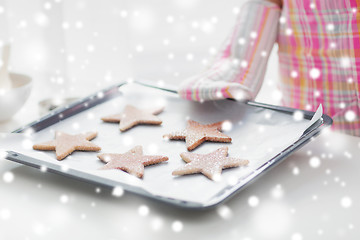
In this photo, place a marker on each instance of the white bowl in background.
(11, 100)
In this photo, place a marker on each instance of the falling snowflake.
(177, 226)
(195, 24)
(350, 116)
(219, 94)
(22, 24)
(171, 56)
(330, 27)
(65, 25)
(100, 95)
(277, 192)
(236, 10)
(314, 73)
(3, 154)
(157, 223)
(212, 51)
(43, 168)
(242, 41)
(28, 132)
(207, 27)
(224, 212)
(253, 35)
(271, 219)
(348, 154)
(139, 48)
(226, 126)
(143, 210)
(296, 171)
(39, 228)
(65, 167)
(342, 105)
(294, 74)
(166, 42)
(90, 115)
(170, 19)
(317, 93)
(314, 162)
(41, 19)
(277, 95)
(118, 191)
(288, 31)
(189, 56)
(282, 20)
(298, 116)
(261, 129)
(152, 148)
(253, 201)
(27, 144)
(64, 198)
(244, 63)
(123, 14)
(5, 214)
(345, 62)
(75, 125)
(79, 24)
(232, 180)
(192, 38)
(346, 202)
(8, 177)
(90, 48)
(71, 58)
(127, 140)
(214, 19)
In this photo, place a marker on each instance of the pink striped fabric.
(239, 69)
(319, 54)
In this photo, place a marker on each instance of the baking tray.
(263, 134)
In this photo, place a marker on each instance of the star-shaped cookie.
(211, 164)
(64, 144)
(197, 133)
(132, 162)
(132, 116)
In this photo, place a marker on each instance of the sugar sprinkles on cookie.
(132, 116)
(196, 133)
(132, 162)
(65, 144)
(210, 165)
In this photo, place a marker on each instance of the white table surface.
(296, 201)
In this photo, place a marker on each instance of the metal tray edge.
(110, 92)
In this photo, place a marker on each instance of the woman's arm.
(239, 69)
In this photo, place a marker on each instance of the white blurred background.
(75, 47)
(72, 48)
